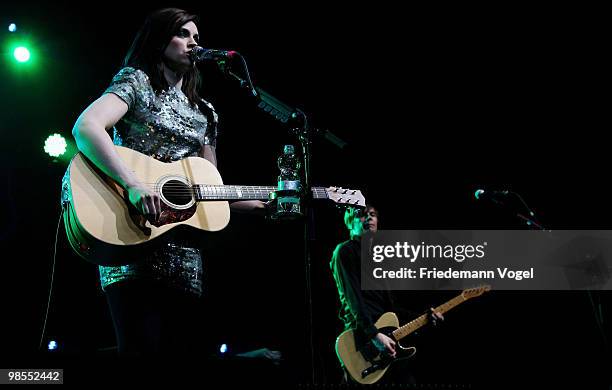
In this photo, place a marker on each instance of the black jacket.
(359, 309)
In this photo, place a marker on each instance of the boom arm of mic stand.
(331, 137)
(283, 112)
(243, 83)
(267, 102)
(279, 110)
(531, 222)
(275, 107)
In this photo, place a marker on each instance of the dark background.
(434, 104)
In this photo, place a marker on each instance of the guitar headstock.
(476, 291)
(345, 197)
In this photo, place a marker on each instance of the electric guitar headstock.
(346, 197)
(476, 291)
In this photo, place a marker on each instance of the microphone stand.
(531, 221)
(289, 115)
(528, 217)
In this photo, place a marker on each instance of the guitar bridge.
(374, 367)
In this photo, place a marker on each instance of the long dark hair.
(147, 50)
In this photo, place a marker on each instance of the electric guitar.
(104, 228)
(367, 365)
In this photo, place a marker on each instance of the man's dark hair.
(147, 50)
(348, 216)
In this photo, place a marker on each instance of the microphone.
(495, 196)
(199, 54)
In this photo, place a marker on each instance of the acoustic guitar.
(104, 228)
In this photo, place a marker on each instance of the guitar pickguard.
(170, 215)
(167, 216)
(380, 360)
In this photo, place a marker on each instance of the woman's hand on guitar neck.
(146, 201)
(384, 342)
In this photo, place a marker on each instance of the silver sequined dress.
(166, 127)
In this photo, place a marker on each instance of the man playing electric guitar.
(359, 309)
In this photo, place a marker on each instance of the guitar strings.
(225, 188)
(211, 190)
(185, 191)
(213, 193)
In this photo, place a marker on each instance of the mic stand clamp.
(287, 201)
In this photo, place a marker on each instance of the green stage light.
(55, 145)
(21, 54)
(12, 27)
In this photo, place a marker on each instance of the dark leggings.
(152, 320)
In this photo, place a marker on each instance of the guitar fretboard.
(415, 324)
(225, 192)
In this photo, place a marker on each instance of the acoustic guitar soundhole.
(177, 192)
